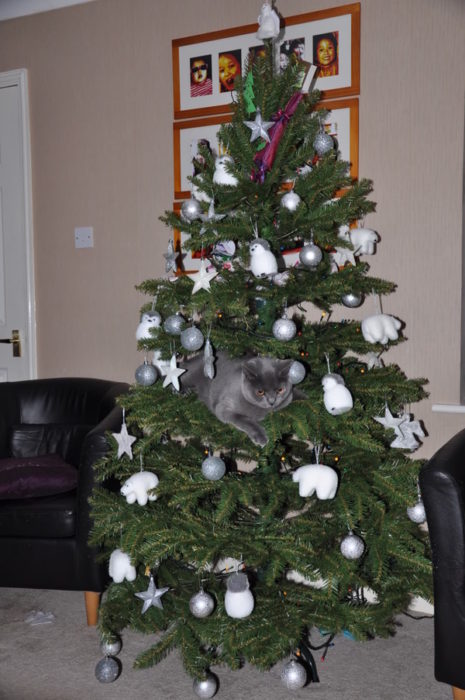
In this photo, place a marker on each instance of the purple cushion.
(26, 477)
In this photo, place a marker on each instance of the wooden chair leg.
(92, 603)
(458, 693)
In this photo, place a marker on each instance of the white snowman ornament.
(149, 320)
(221, 176)
(316, 478)
(380, 328)
(262, 261)
(337, 398)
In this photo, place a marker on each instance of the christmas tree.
(237, 537)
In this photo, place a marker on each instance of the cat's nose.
(271, 400)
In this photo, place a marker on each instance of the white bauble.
(221, 176)
(238, 601)
(380, 328)
(417, 513)
(316, 478)
(149, 319)
(337, 398)
(290, 200)
(352, 546)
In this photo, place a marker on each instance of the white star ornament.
(172, 373)
(152, 596)
(202, 278)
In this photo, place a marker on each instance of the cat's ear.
(284, 367)
(250, 369)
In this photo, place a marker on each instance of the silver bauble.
(290, 200)
(296, 372)
(173, 324)
(107, 670)
(192, 339)
(310, 255)
(201, 604)
(111, 648)
(213, 468)
(284, 329)
(352, 546)
(352, 299)
(323, 143)
(417, 513)
(293, 675)
(146, 374)
(191, 210)
(207, 687)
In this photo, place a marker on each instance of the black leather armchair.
(43, 540)
(442, 485)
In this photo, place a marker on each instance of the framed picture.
(188, 260)
(186, 137)
(341, 122)
(206, 65)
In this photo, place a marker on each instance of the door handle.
(15, 340)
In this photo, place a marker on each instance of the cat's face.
(265, 382)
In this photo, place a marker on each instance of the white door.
(17, 317)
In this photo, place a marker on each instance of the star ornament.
(170, 257)
(152, 596)
(210, 217)
(259, 128)
(202, 278)
(172, 373)
(389, 421)
(124, 441)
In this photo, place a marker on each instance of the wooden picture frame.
(342, 122)
(201, 56)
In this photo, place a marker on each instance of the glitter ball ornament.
(284, 329)
(111, 648)
(323, 143)
(417, 513)
(201, 604)
(173, 324)
(107, 670)
(146, 374)
(191, 210)
(207, 687)
(290, 200)
(213, 468)
(310, 255)
(352, 299)
(192, 339)
(296, 372)
(293, 675)
(352, 546)
(238, 601)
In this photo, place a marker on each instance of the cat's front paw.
(259, 437)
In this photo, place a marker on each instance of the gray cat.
(243, 391)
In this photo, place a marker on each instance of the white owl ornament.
(221, 176)
(149, 319)
(262, 261)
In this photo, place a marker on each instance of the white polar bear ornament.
(137, 486)
(316, 477)
(337, 398)
(222, 176)
(364, 241)
(380, 328)
(120, 567)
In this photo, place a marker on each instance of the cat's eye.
(280, 390)
(260, 392)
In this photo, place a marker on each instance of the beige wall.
(101, 124)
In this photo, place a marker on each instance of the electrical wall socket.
(84, 237)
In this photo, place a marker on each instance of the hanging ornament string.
(264, 159)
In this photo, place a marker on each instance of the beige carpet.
(57, 661)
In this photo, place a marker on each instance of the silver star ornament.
(124, 441)
(388, 421)
(170, 257)
(259, 128)
(202, 278)
(210, 217)
(152, 596)
(172, 373)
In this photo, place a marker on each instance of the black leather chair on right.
(442, 485)
(52, 431)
